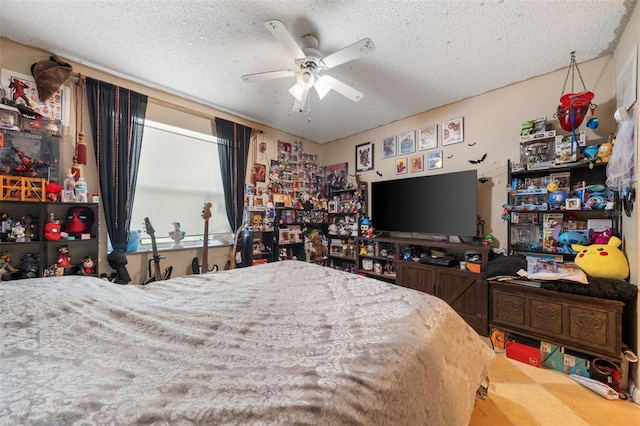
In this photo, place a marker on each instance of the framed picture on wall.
(401, 166)
(283, 200)
(416, 163)
(407, 142)
(452, 131)
(435, 160)
(389, 147)
(428, 137)
(364, 157)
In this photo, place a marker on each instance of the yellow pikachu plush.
(602, 260)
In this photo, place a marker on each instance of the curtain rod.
(158, 101)
(162, 102)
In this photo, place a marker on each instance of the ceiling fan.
(309, 61)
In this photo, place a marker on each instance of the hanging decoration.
(574, 107)
(81, 148)
(620, 168)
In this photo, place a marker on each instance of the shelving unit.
(45, 250)
(346, 209)
(300, 171)
(534, 216)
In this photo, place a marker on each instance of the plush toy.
(600, 237)
(553, 186)
(133, 243)
(605, 151)
(52, 231)
(571, 237)
(603, 260)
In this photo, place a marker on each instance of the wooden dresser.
(586, 324)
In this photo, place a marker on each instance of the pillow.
(539, 268)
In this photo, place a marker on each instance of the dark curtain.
(233, 148)
(117, 122)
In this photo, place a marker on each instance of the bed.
(280, 343)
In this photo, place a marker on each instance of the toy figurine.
(88, 265)
(18, 232)
(177, 235)
(5, 263)
(29, 265)
(64, 259)
(365, 228)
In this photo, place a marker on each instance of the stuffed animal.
(133, 243)
(52, 231)
(605, 151)
(603, 260)
(600, 237)
(569, 238)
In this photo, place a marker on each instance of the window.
(179, 172)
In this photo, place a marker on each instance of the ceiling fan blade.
(281, 34)
(268, 75)
(349, 53)
(335, 84)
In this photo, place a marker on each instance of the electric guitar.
(156, 275)
(204, 265)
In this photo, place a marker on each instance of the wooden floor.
(523, 395)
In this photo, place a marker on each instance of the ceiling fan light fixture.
(322, 88)
(296, 91)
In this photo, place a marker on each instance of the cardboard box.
(552, 356)
(523, 352)
(575, 363)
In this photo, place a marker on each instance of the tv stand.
(395, 260)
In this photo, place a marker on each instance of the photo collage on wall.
(406, 147)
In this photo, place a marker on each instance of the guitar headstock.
(147, 227)
(206, 211)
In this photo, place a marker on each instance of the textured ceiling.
(428, 53)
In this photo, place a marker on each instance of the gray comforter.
(281, 343)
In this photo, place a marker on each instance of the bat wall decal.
(480, 160)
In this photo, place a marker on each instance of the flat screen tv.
(443, 204)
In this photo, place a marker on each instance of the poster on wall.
(428, 137)
(259, 173)
(364, 157)
(389, 147)
(335, 176)
(21, 88)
